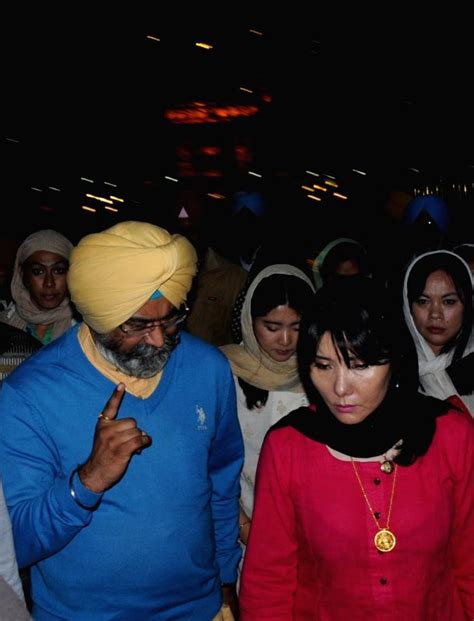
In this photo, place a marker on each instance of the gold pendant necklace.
(384, 539)
(386, 466)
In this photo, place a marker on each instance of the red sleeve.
(268, 580)
(460, 405)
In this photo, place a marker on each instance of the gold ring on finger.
(105, 418)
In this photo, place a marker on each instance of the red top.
(311, 553)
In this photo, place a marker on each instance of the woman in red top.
(365, 500)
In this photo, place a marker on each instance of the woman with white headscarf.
(437, 305)
(41, 304)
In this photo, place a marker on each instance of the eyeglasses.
(139, 328)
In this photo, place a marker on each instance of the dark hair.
(275, 290)
(345, 251)
(280, 290)
(357, 316)
(465, 251)
(362, 323)
(461, 277)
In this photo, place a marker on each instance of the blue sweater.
(161, 541)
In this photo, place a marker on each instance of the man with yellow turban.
(120, 448)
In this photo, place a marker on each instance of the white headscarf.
(434, 378)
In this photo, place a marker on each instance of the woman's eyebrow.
(45, 263)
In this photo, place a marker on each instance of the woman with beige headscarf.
(41, 304)
(264, 364)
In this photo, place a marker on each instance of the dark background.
(85, 94)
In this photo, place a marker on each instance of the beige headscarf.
(24, 311)
(114, 273)
(248, 360)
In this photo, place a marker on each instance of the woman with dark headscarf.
(41, 304)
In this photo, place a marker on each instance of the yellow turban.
(114, 273)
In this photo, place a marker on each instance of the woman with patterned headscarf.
(41, 304)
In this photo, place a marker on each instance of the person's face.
(277, 332)
(349, 267)
(138, 348)
(438, 312)
(351, 394)
(44, 275)
(153, 310)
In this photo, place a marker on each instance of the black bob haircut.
(362, 325)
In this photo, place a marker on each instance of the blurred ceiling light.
(359, 172)
(114, 185)
(254, 174)
(36, 189)
(111, 208)
(171, 179)
(86, 179)
(245, 90)
(314, 198)
(331, 183)
(86, 208)
(310, 172)
(307, 188)
(337, 195)
(152, 38)
(215, 195)
(53, 188)
(116, 198)
(205, 46)
(257, 32)
(320, 187)
(100, 199)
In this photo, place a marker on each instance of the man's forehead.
(154, 309)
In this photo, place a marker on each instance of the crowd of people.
(318, 466)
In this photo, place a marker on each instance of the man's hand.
(115, 442)
(229, 596)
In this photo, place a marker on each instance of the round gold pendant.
(387, 466)
(385, 540)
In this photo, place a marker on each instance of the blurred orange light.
(199, 112)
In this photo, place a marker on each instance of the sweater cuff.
(82, 495)
(66, 502)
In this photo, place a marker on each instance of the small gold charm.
(385, 540)
(387, 466)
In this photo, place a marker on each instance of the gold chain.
(372, 513)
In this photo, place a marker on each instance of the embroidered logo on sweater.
(201, 417)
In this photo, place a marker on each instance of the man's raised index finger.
(113, 404)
